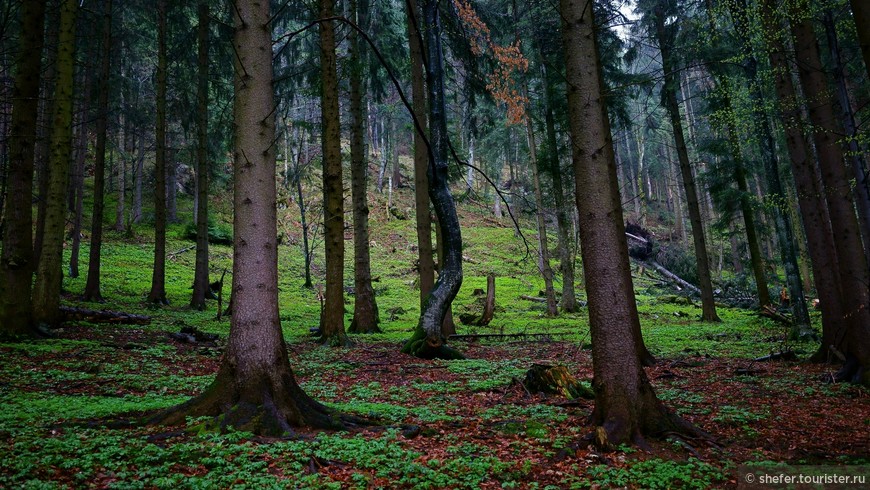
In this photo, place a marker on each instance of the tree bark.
(76, 191)
(92, 288)
(626, 407)
(333, 332)
(255, 389)
(854, 275)
(365, 308)
(158, 278)
(861, 15)
(428, 338)
(16, 262)
(669, 95)
(200, 275)
(46, 291)
(426, 261)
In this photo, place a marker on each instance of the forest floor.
(478, 426)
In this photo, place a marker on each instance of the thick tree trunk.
(92, 288)
(255, 389)
(426, 261)
(669, 95)
(158, 278)
(332, 332)
(46, 291)
(626, 407)
(428, 338)
(16, 262)
(854, 275)
(365, 308)
(200, 275)
(814, 211)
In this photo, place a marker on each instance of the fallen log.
(768, 311)
(68, 313)
(475, 336)
(673, 277)
(533, 298)
(788, 355)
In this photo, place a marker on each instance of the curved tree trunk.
(16, 266)
(255, 389)
(365, 308)
(428, 339)
(46, 291)
(92, 288)
(332, 331)
(158, 278)
(626, 407)
(200, 274)
(669, 96)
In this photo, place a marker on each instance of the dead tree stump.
(555, 380)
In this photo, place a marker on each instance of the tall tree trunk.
(428, 338)
(776, 197)
(626, 407)
(854, 275)
(172, 179)
(861, 189)
(543, 249)
(77, 177)
(158, 278)
(813, 208)
(138, 176)
(333, 332)
(200, 275)
(255, 389)
(46, 290)
(365, 308)
(92, 288)
(16, 262)
(700, 243)
(566, 258)
(426, 261)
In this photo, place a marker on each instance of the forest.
(434, 244)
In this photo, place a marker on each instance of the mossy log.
(556, 380)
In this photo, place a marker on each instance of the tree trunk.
(426, 261)
(776, 197)
(333, 332)
(300, 200)
(543, 249)
(16, 263)
(365, 308)
(46, 291)
(92, 288)
(172, 179)
(200, 275)
(428, 339)
(854, 275)
(255, 389)
(138, 171)
(77, 177)
(626, 407)
(566, 258)
(854, 155)
(158, 278)
(814, 212)
(669, 95)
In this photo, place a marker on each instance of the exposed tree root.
(422, 346)
(271, 408)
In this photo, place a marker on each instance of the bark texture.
(428, 339)
(46, 291)
(200, 275)
(16, 263)
(158, 278)
(255, 389)
(365, 308)
(626, 407)
(92, 287)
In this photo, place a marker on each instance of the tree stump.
(555, 380)
(481, 312)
